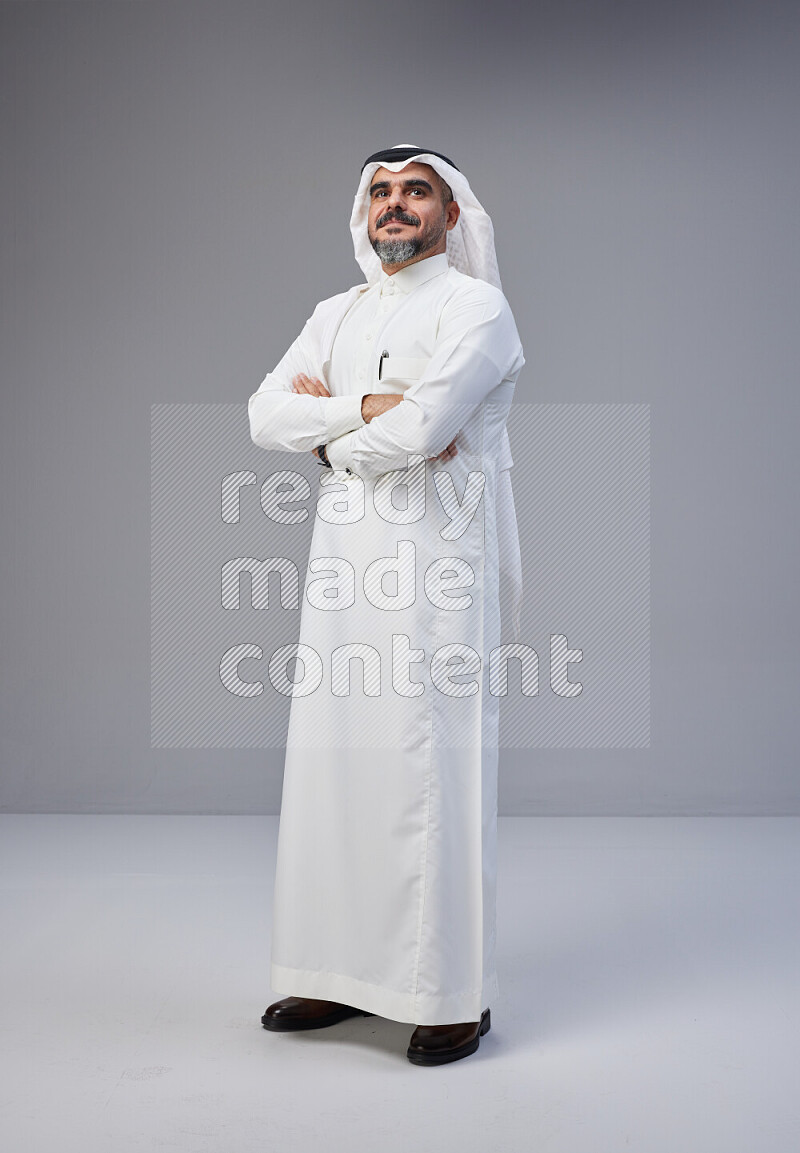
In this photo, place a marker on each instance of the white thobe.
(386, 865)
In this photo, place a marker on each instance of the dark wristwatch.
(323, 456)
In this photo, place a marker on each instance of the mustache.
(399, 217)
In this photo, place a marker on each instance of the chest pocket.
(400, 372)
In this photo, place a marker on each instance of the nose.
(396, 198)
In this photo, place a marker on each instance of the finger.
(311, 385)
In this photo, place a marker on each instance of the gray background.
(177, 183)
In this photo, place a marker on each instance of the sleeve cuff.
(339, 452)
(342, 414)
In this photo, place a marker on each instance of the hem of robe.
(411, 1008)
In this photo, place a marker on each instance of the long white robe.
(385, 882)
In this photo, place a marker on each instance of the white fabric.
(385, 881)
(354, 348)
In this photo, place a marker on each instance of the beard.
(396, 251)
(400, 251)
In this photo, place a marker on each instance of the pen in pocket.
(384, 354)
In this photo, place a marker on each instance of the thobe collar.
(408, 278)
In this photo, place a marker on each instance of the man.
(385, 879)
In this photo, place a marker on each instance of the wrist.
(376, 403)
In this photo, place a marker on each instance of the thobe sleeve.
(477, 347)
(283, 419)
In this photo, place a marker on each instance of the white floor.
(650, 975)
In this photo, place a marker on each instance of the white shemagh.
(470, 245)
(470, 249)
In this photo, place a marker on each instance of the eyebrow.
(406, 184)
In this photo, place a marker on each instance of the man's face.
(407, 218)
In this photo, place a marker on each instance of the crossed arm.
(372, 404)
(477, 347)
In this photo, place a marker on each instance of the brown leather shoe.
(438, 1044)
(293, 1013)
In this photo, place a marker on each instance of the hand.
(376, 403)
(309, 385)
(448, 452)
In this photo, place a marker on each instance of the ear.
(453, 213)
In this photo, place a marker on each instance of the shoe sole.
(299, 1024)
(453, 1054)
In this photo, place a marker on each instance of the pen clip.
(385, 353)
